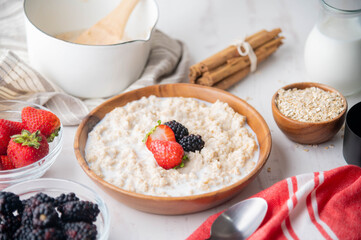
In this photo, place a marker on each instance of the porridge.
(115, 150)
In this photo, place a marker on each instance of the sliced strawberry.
(148, 142)
(159, 132)
(168, 154)
(6, 163)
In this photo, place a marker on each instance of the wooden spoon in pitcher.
(110, 29)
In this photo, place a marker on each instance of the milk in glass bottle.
(333, 48)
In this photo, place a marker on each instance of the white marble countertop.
(207, 26)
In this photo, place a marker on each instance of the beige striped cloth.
(168, 63)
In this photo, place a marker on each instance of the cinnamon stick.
(239, 75)
(222, 56)
(233, 79)
(236, 64)
(194, 73)
(255, 40)
(270, 44)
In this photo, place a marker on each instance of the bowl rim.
(104, 206)
(307, 85)
(151, 32)
(35, 165)
(259, 165)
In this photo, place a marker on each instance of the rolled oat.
(310, 104)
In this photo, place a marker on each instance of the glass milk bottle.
(333, 48)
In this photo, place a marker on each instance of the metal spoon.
(240, 220)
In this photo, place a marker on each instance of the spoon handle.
(226, 238)
(110, 29)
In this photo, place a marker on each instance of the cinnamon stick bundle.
(227, 67)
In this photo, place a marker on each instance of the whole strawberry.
(7, 129)
(27, 148)
(168, 154)
(44, 121)
(6, 163)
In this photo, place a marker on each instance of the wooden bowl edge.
(260, 163)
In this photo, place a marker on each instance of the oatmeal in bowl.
(173, 149)
(308, 112)
(115, 150)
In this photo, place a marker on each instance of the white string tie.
(248, 51)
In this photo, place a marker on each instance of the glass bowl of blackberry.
(49, 208)
(10, 116)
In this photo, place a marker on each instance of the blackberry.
(179, 130)
(9, 224)
(9, 202)
(23, 232)
(64, 198)
(44, 234)
(31, 204)
(80, 231)
(27, 216)
(45, 216)
(192, 143)
(79, 211)
(4, 236)
(24, 202)
(38, 199)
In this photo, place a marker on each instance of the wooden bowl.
(175, 205)
(308, 132)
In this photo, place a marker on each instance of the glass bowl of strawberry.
(55, 208)
(31, 138)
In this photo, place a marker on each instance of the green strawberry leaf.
(53, 135)
(27, 138)
(182, 164)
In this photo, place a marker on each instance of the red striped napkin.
(320, 205)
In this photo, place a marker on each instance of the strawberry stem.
(27, 138)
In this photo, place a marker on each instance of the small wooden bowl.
(308, 132)
(175, 205)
